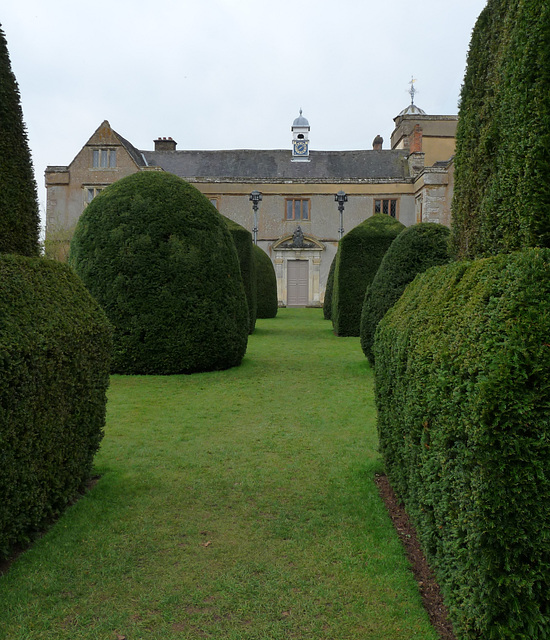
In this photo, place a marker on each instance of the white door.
(297, 283)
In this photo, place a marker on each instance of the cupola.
(300, 139)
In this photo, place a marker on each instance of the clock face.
(300, 148)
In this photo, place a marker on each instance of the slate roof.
(277, 165)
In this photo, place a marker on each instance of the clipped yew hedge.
(463, 397)
(244, 245)
(414, 250)
(501, 196)
(360, 253)
(266, 285)
(55, 345)
(159, 258)
(327, 302)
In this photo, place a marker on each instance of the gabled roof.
(135, 154)
(277, 164)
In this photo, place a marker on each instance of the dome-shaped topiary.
(414, 250)
(159, 258)
(360, 253)
(327, 303)
(243, 242)
(268, 302)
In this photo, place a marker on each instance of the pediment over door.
(298, 242)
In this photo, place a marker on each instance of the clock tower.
(300, 139)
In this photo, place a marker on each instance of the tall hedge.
(360, 253)
(502, 193)
(414, 250)
(19, 216)
(244, 245)
(55, 346)
(463, 398)
(327, 303)
(268, 301)
(159, 258)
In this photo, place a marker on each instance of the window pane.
(393, 207)
(103, 158)
(305, 209)
(377, 206)
(95, 162)
(385, 206)
(214, 201)
(297, 207)
(112, 158)
(89, 195)
(289, 209)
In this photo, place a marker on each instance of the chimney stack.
(165, 144)
(377, 143)
(415, 142)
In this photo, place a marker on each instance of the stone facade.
(412, 181)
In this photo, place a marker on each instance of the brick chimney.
(377, 143)
(165, 144)
(415, 139)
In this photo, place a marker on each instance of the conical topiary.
(414, 250)
(19, 217)
(360, 253)
(244, 245)
(268, 303)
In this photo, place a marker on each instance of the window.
(386, 206)
(90, 193)
(214, 201)
(297, 209)
(104, 158)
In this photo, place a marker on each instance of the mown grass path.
(233, 505)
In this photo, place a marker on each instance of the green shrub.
(359, 255)
(159, 258)
(463, 396)
(502, 194)
(413, 251)
(243, 242)
(19, 217)
(268, 302)
(55, 346)
(327, 302)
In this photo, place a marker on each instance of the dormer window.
(104, 158)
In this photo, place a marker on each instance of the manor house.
(412, 181)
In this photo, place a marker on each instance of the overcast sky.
(230, 74)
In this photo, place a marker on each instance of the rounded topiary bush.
(159, 258)
(327, 303)
(55, 346)
(268, 302)
(244, 245)
(360, 253)
(414, 250)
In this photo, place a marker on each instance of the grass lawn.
(233, 505)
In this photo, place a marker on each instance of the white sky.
(230, 74)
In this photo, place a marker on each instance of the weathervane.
(412, 90)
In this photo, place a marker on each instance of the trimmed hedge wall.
(463, 398)
(360, 253)
(244, 245)
(327, 303)
(414, 250)
(55, 346)
(159, 258)
(268, 301)
(502, 195)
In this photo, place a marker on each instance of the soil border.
(423, 574)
